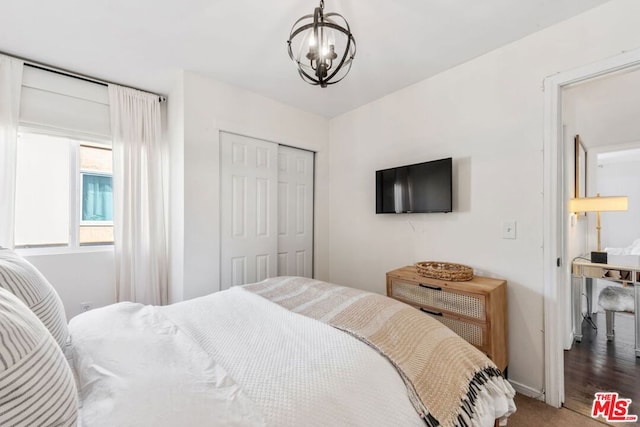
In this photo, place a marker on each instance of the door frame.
(555, 212)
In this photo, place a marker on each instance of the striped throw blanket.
(443, 373)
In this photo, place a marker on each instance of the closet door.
(248, 209)
(295, 212)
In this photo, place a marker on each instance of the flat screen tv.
(418, 188)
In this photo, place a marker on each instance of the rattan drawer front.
(471, 332)
(466, 305)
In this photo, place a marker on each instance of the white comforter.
(233, 358)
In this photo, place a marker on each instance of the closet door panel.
(295, 212)
(248, 209)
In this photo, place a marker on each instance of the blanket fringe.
(489, 380)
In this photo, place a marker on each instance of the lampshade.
(599, 204)
(322, 46)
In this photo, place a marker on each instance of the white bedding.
(234, 358)
(136, 368)
(629, 256)
(633, 249)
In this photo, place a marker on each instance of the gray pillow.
(36, 383)
(22, 279)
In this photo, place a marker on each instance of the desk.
(588, 271)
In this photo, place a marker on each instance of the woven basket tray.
(444, 271)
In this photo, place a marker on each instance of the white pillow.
(36, 382)
(23, 280)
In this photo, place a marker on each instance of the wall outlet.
(86, 306)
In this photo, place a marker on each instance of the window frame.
(75, 140)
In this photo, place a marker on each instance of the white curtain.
(10, 85)
(140, 235)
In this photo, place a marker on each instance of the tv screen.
(418, 188)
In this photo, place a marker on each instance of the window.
(42, 191)
(63, 166)
(64, 192)
(96, 195)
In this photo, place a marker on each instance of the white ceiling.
(143, 43)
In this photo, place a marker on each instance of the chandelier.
(313, 38)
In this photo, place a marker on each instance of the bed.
(288, 351)
(628, 256)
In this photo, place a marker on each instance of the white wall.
(78, 277)
(576, 225)
(619, 175)
(208, 108)
(175, 126)
(488, 115)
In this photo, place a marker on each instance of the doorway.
(603, 112)
(557, 262)
(266, 210)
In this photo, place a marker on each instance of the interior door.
(248, 209)
(295, 212)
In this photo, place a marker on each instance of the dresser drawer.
(475, 309)
(474, 333)
(433, 297)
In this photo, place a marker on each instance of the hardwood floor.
(597, 365)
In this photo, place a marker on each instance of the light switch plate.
(508, 229)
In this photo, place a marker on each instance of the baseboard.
(527, 391)
(569, 342)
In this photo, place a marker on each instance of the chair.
(612, 299)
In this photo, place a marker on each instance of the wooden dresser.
(476, 309)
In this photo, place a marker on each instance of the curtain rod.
(63, 72)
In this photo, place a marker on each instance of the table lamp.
(599, 204)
